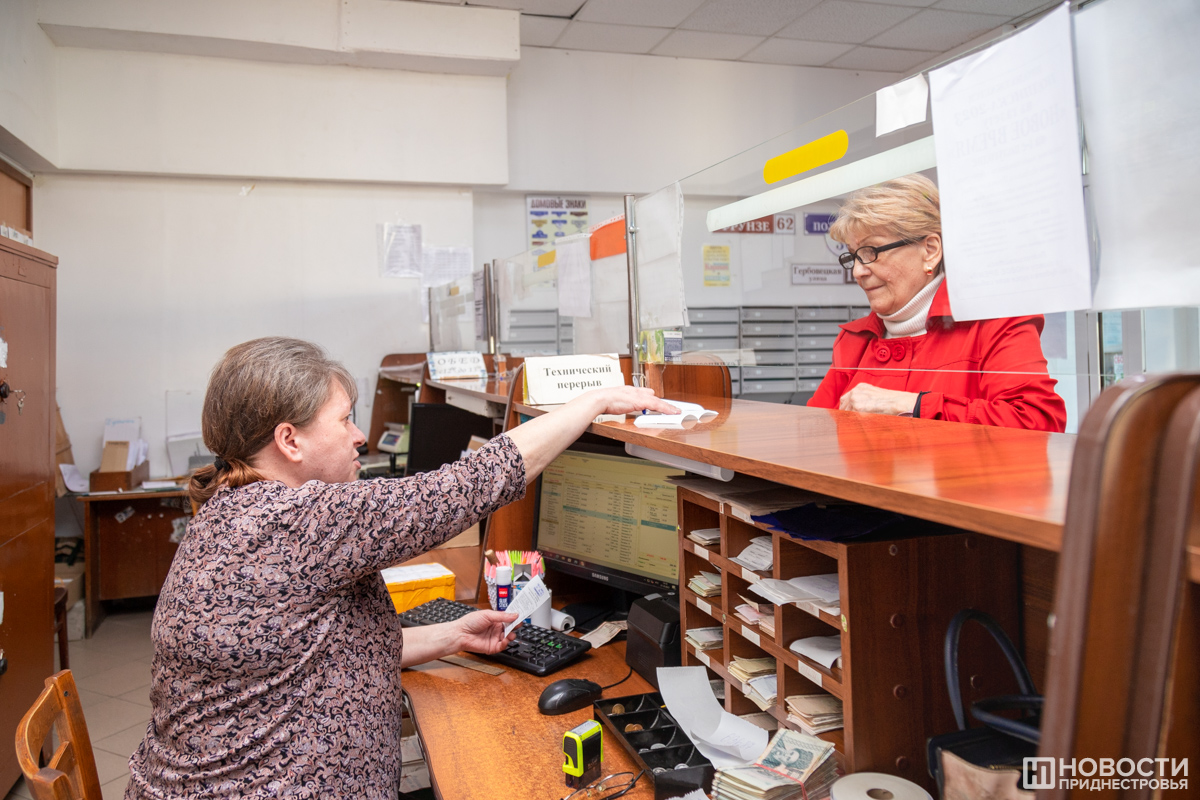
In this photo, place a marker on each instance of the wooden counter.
(1003, 482)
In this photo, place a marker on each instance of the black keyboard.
(535, 650)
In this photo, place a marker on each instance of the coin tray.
(661, 748)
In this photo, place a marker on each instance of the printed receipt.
(528, 599)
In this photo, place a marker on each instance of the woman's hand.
(629, 400)
(483, 631)
(870, 399)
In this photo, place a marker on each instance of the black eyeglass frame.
(847, 259)
(619, 789)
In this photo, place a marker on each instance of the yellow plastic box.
(414, 584)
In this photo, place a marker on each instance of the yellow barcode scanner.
(583, 750)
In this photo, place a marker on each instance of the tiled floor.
(112, 672)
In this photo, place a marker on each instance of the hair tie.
(221, 464)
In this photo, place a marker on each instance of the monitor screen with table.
(609, 518)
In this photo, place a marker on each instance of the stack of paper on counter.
(815, 713)
(688, 412)
(794, 765)
(706, 638)
(706, 536)
(824, 650)
(759, 556)
(746, 668)
(706, 584)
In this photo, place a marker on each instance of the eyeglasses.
(869, 254)
(608, 787)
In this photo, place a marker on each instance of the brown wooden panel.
(1039, 569)
(27, 635)
(14, 203)
(134, 556)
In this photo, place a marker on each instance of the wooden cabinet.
(27, 422)
(897, 598)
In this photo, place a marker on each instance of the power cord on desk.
(618, 683)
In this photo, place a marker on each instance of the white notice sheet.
(1009, 171)
(724, 739)
(660, 260)
(574, 260)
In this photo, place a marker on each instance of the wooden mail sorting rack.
(897, 598)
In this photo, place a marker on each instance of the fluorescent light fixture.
(698, 467)
(903, 160)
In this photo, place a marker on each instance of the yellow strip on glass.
(805, 157)
(546, 259)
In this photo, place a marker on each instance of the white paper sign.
(550, 380)
(1009, 171)
(660, 259)
(806, 274)
(574, 259)
(399, 250)
(3, 354)
(456, 364)
(901, 104)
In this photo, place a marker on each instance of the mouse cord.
(618, 683)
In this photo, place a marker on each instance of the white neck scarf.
(910, 320)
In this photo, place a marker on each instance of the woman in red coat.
(909, 355)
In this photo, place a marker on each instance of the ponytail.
(207, 480)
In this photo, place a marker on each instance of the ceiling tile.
(881, 59)
(1010, 8)
(702, 44)
(544, 8)
(911, 3)
(755, 17)
(938, 31)
(541, 31)
(844, 21)
(658, 13)
(610, 38)
(796, 52)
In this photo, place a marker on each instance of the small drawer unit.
(707, 315)
(548, 335)
(710, 344)
(822, 314)
(812, 357)
(768, 329)
(818, 328)
(768, 314)
(710, 330)
(531, 319)
(767, 358)
(815, 342)
(812, 371)
(774, 386)
(809, 385)
(769, 342)
(761, 373)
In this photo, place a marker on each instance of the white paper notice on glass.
(439, 266)
(1009, 171)
(901, 104)
(399, 250)
(724, 739)
(574, 260)
(660, 260)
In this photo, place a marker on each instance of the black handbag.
(1002, 743)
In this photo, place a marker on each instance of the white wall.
(158, 277)
(28, 126)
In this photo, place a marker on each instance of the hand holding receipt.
(528, 599)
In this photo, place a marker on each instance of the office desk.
(127, 556)
(483, 735)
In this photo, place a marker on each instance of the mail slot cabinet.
(812, 356)
(768, 386)
(525, 335)
(858, 312)
(818, 314)
(710, 344)
(735, 373)
(769, 314)
(812, 371)
(807, 385)
(818, 328)
(768, 328)
(774, 357)
(530, 319)
(758, 373)
(815, 342)
(769, 342)
(710, 330)
(696, 315)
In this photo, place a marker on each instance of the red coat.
(991, 371)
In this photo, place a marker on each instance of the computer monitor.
(609, 518)
(438, 433)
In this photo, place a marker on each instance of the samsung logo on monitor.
(600, 577)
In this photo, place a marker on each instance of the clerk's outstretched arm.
(541, 439)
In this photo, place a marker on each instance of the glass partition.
(457, 315)
(529, 324)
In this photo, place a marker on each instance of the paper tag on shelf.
(703, 606)
(750, 576)
(751, 635)
(700, 551)
(703, 659)
(808, 672)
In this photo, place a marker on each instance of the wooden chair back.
(71, 771)
(1107, 546)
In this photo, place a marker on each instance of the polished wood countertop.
(999, 481)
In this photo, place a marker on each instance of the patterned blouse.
(276, 667)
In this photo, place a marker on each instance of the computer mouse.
(568, 695)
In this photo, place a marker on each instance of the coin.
(681, 766)
(632, 727)
(657, 746)
(659, 770)
(618, 709)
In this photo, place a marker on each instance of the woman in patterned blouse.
(277, 652)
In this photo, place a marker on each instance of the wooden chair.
(60, 626)
(1092, 695)
(71, 773)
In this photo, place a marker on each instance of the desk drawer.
(768, 328)
(815, 342)
(769, 314)
(775, 357)
(712, 315)
(710, 330)
(769, 386)
(710, 344)
(814, 371)
(815, 314)
(759, 373)
(808, 385)
(769, 342)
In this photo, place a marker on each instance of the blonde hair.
(255, 387)
(906, 208)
